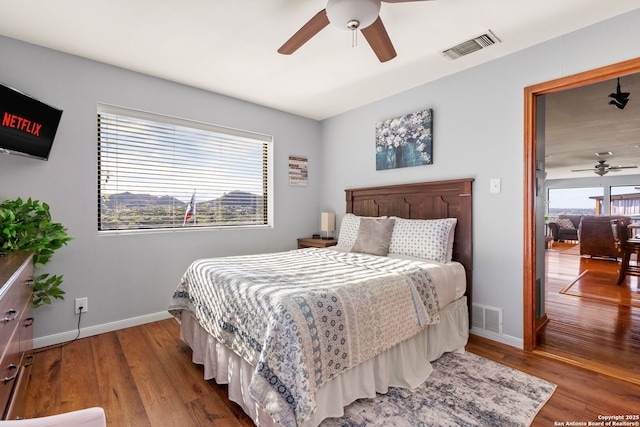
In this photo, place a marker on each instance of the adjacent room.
(591, 175)
(430, 184)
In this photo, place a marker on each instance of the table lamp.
(327, 223)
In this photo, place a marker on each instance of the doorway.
(532, 318)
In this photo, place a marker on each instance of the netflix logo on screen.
(21, 123)
(27, 126)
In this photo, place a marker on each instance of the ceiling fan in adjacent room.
(602, 168)
(351, 15)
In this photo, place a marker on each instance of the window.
(625, 200)
(575, 201)
(160, 172)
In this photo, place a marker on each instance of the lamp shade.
(342, 12)
(327, 221)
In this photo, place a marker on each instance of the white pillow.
(452, 234)
(430, 239)
(349, 230)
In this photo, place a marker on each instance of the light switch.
(494, 185)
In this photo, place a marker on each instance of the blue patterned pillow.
(430, 239)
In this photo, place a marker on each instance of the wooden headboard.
(425, 200)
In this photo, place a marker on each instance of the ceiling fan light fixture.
(353, 24)
(343, 13)
(602, 168)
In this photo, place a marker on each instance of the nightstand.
(308, 242)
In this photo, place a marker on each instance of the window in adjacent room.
(160, 172)
(575, 201)
(625, 200)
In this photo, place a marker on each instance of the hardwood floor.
(591, 321)
(143, 376)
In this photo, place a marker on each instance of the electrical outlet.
(82, 303)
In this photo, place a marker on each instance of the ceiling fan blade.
(379, 40)
(604, 168)
(308, 30)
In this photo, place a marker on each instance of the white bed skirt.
(365, 380)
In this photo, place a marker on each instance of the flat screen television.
(27, 126)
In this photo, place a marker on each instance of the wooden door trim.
(530, 95)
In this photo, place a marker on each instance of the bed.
(298, 335)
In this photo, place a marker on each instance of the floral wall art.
(405, 141)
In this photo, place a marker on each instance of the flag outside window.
(191, 210)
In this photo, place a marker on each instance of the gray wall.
(130, 278)
(478, 132)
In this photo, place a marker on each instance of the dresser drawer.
(12, 302)
(25, 328)
(9, 368)
(16, 331)
(16, 408)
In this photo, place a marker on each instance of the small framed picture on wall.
(298, 174)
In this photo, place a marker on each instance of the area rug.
(463, 390)
(602, 286)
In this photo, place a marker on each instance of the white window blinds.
(159, 172)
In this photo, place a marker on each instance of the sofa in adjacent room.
(565, 227)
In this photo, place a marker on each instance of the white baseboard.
(504, 339)
(153, 317)
(99, 329)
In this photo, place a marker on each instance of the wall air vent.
(487, 318)
(470, 46)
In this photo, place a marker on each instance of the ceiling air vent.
(470, 46)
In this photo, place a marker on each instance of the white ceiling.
(580, 122)
(229, 46)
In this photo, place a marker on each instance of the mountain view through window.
(159, 172)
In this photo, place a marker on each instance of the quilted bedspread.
(304, 316)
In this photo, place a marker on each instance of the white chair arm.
(90, 417)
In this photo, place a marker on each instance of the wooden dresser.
(16, 331)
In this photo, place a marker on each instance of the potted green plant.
(27, 226)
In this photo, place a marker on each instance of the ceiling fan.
(351, 15)
(602, 168)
